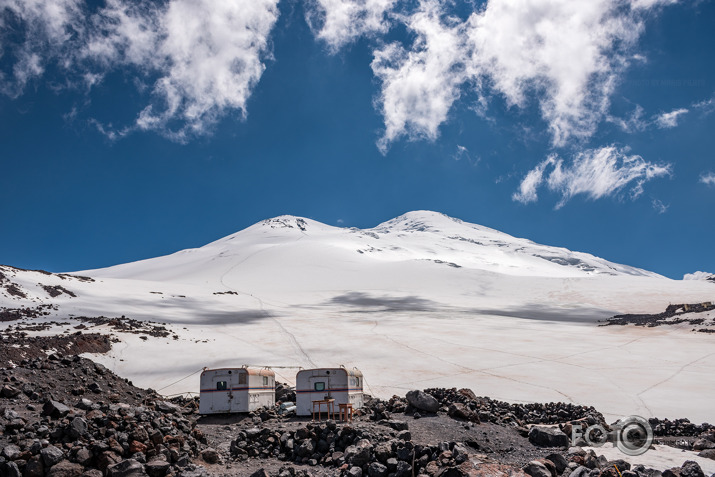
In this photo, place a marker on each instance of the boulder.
(691, 469)
(422, 401)
(537, 469)
(707, 453)
(548, 437)
(55, 409)
(51, 455)
(702, 444)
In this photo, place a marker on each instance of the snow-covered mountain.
(421, 300)
(415, 236)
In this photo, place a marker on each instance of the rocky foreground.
(64, 416)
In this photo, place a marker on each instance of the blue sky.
(131, 131)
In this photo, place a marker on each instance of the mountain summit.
(276, 244)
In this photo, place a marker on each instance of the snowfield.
(420, 301)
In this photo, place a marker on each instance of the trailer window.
(242, 378)
(221, 385)
(319, 386)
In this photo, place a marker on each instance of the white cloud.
(699, 276)
(669, 120)
(214, 57)
(708, 178)
(419, 86)
(595, 173)
(339, 22)
(567, 56)
(205, 56)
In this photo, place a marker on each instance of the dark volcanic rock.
(548, 437)
(422, 401)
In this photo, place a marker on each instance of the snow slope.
(419, 301)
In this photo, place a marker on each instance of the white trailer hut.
(236, 390)
(343, 385)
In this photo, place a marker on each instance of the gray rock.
(376, 469)
(51, 455)
(9, 392)
(548, 437)
(55, 409)
(707, 453)
(84, 404)
(403, 469)
(580, 471)
(702, 444)
(167, 407)
(691, 469)
(210, 455)
(306, 448)
(559, 461)
(65, 469)
(78, 427)
(157, 468)
(354, 471)
(126, 468)
(536, 469)
(397, 425)
(11, 452)
(422, 401)
(358, 454)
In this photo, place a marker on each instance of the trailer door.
(221, 389)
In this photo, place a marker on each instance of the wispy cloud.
(659, 206)
(203, 57)
(636, 122)
(708, 178)
(340, 22)
(670, 120)
(566, 55)
(420, 85)
(595, 173)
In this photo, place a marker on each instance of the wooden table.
(329, 407)
(345, 412)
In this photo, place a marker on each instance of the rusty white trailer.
(236, 390)
(343, 385)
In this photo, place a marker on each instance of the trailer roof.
(350, 372)
(243, 369)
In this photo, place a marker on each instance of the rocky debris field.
(693, 314)
(62, 416)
